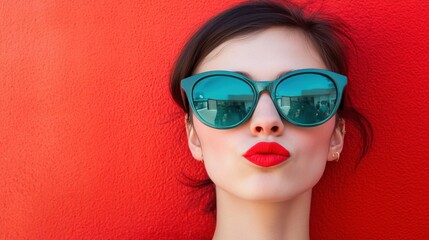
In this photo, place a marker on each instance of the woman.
(249, 81)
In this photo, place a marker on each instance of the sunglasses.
(223, 99)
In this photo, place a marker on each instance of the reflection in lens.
(306, 98)
(222, 101)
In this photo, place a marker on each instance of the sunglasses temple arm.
(185, 101)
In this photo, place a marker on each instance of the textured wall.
(91, 146)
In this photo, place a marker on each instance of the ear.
(193, 140)
(337, 140)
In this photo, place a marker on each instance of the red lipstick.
(267, 154)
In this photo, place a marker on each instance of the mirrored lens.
(306, 98)
(222, 101)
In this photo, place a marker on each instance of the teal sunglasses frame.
(188, 84)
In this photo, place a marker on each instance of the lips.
(267, 154)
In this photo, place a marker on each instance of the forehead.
(264, 54)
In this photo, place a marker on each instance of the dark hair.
(328, 34)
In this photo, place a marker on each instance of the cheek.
(214, 142)
(311, 145)
(310, 148)
(220, 152)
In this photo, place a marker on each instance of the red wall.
(92, 147)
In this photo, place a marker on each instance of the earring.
(337, 155)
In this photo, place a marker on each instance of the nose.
(265, 119)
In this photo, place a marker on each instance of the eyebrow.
(279, 75)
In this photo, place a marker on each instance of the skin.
(255, 202)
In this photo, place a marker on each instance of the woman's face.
(263, 56)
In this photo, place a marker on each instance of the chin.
(273, 195)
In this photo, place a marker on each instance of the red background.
(92, 147)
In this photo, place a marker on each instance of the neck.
(244, 219)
